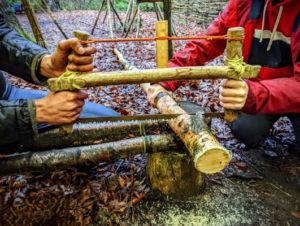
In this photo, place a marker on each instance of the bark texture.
(84, 155)
(76, 80)
(174, 174)
(91, 133)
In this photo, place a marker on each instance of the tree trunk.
(174, 174)
(34, 24)
(86, 155)
(168, 17)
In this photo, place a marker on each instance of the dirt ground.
(260, 187)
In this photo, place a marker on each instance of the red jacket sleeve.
(281, 95)
(198, 52)
(276, 96)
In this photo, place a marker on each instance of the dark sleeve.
(18, 56)
(17, 120)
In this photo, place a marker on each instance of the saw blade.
(156, 117)
(129, 118)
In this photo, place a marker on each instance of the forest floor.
(260, 187)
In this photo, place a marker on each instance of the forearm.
(198, 52)
(24, 56)
(17, 121)
(46, 68)
(276, 96)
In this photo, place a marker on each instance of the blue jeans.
(89, 109)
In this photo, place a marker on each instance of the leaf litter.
(107, 193)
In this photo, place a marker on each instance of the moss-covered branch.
(73, 81)
(91, 133)
(85, 155)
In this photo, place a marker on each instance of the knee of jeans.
(243, 134)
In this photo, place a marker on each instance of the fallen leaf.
(296, 214)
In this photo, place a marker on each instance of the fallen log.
(74, 81)
(92, 133)
(85, 155)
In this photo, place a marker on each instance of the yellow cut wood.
(81, 35)
(162, 46)
(76, 80)
(234, 59)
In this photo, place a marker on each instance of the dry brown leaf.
(296, 214)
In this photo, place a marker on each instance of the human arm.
(280, 93)
(19, 118)
(33, 63)
(198, 52)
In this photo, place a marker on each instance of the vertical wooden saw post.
(83, 36)
(234, 52)
(162, 46)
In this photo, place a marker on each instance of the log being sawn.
(208, 155)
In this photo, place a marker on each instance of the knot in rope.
(143, 134)
(67, 81)
(238, 65)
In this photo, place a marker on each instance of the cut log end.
(213, 161)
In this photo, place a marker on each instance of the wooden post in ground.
(98, 16)
(34, 24)
(168, 17)
(50, 13)
(162, 47)
(174, 174)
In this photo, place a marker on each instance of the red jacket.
(277, 88)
